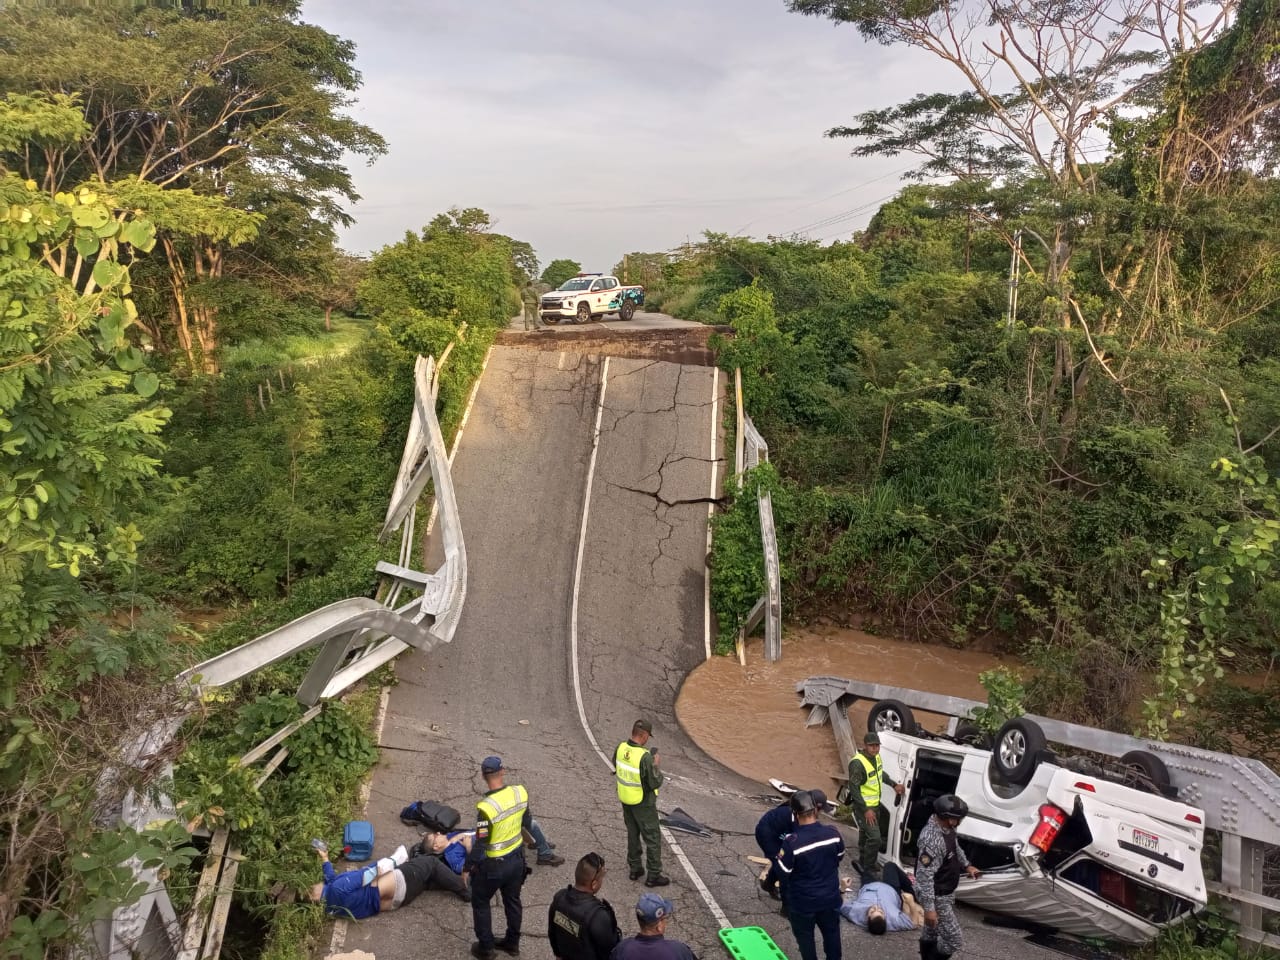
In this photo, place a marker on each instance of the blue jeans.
(828, 921)
(540, 838)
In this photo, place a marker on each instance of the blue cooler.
(357, 840)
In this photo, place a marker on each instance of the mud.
(750, 718)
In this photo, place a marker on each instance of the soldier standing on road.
(636, 767)
(496, 861)
(866, 774)
(939, 862)
(581, 925)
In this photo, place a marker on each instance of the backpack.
(430, 815)
(357, 840)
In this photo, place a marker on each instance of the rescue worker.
(770, 829)
(581, 925)
(939, 862)
(810, 863)
(635, 766)
(866, 774)
(496, 862)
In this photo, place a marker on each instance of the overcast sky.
(592, 128)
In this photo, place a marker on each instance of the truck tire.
(584, 313)
(627, 310)
(1017, 750)
(891, 716)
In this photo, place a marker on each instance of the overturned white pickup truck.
(1074, 851)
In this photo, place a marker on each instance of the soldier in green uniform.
(636, 767)
(866, 774)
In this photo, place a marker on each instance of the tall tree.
(245, 103)
(558, 271)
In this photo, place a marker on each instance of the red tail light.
(1193, 818)
(1051, 821)
(1081, 785)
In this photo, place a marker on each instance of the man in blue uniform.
(810, 865)
(496, 861)
(770, 830)
(939, 863)
(392, 882)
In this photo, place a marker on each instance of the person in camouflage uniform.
(939, 863)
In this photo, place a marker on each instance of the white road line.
(711, 507)
(694, 878)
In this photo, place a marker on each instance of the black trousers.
(828, 922)
(503, 875)
(894, 877)
(428, 872)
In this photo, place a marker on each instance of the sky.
(592, 128)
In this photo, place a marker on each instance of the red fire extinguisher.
(1051, 822)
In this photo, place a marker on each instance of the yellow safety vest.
(505, 811)
(626, 761)
(871, 785)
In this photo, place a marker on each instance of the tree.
(648, 269)
(245, 103)
(79, 430)
(558, 271)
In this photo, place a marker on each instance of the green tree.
(558, 271)
(244, 103)
(79, 431)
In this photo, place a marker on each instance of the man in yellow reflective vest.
(635, 765)
(496, 861)
(866, 774)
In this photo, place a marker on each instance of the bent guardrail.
(1240, 797)
(750, 450)
(356, 636)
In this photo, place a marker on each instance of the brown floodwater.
(750, 719)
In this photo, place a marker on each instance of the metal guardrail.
(750, 450)
(356, 636)
(1240, 797)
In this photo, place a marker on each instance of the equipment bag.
(430, 815)
(357, 840)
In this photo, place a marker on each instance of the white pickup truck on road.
(589, 296)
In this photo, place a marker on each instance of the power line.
(838, 193)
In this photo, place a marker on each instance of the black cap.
(871, 739)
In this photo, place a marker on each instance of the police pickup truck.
(589, 296)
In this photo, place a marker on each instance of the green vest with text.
(871, 786)
(626, 761)
(505, 812)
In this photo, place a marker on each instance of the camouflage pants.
(947, 933)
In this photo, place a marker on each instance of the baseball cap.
(651, 908)
(819, 798)
(872, 739)
(644, 725)
(491, 765)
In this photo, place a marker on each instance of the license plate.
(1147, 841)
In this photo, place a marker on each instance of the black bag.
(430, 815)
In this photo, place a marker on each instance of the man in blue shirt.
(880, 907)
(392, 882)
(652, 913)
(810, 866)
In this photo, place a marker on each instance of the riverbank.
(749, 718)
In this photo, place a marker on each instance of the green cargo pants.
(871, 838)
(642, 825)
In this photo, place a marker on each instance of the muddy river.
(750, 718)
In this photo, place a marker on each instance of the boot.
(928, 950)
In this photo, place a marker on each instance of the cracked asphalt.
(505, 683)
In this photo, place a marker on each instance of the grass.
(347, 332)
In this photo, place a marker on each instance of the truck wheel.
(584, 313)
(1148, 771)
(627, 310)
(550, 318)
(1018, 747)
(891, 716)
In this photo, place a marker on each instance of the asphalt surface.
(635, 625)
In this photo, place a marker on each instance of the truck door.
(900, 764)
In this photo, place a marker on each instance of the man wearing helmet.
(939, 863)
(809, 862)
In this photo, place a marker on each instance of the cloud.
(591, 129)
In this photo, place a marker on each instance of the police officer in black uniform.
(581, 925)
